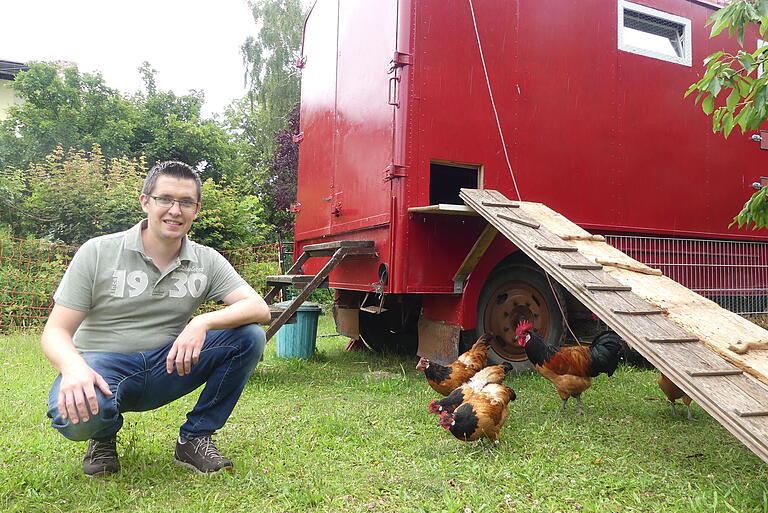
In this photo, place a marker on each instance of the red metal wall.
(601, 135)
(318, 122)
(348, 129)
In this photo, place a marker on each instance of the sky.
(193, 44)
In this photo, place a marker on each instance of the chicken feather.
(444, 379)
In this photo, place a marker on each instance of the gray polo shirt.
(131, 305)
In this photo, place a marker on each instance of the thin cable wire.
(493, 102)
(506, 154)
(562, 312)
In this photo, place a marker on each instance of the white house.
(8, 70)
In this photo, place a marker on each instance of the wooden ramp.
(689, 338)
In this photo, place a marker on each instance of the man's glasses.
(166, 202)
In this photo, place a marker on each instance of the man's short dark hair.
(175, 169)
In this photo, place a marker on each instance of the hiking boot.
(201, 455)
(101, 458)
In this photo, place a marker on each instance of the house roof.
(8, 69)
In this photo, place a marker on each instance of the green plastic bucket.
(297, 340)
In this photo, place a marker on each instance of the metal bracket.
(374, 309)
(295, 208)
(393, 95)
(399, 60)
(297, 138)
(394, 171)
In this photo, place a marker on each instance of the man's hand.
(185, 350)
(77, 394)
(244, 306)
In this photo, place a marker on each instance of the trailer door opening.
(445, 180)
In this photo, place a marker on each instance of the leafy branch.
(734, 88)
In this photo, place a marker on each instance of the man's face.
(170, 223)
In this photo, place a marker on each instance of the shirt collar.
(133, 242)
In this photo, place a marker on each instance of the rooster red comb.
(522, 327)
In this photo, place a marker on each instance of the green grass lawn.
(351, 432)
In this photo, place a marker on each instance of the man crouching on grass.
(121, 337)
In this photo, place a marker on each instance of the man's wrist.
(72, 365)
(201, 321)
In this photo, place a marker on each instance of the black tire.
(513, 293)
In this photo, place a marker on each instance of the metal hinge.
(394, 171)
(399, 60)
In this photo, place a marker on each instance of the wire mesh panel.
(254, 264)
(654, 33)
(733, 274)
(30, 271)
(657, 34)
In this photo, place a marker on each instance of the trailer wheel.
(514, 293)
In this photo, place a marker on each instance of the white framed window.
(654, 33)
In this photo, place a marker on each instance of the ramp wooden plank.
(723, 397)
(758, 413)
(716, 327)
(663, 311)
(582, 267)
(517, 220)
(639, 312)
(442, 208)
(507, 204)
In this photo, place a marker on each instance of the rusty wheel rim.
(509, 304)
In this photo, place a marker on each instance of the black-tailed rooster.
(570, 369)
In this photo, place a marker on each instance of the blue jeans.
(139, 382)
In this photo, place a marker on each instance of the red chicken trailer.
(575, 104)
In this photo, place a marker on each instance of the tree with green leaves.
(65, 108)
(268, 116)
(734, 88)
(73, 196)
(271, 71)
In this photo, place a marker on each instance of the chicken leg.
(578, 402)
(687, 407)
